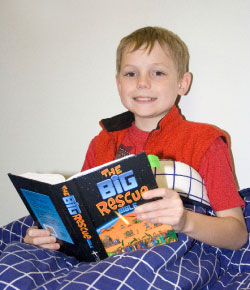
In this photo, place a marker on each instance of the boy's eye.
(159, 73)
(130, 74)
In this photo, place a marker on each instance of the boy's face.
(148, 85)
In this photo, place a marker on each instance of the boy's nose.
(143, 82)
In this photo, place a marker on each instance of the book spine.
(83, 232)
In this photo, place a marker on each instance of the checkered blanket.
(186, 264)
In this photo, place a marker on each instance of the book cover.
(46, 204)
(91, 214)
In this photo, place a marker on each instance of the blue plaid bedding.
(186, 264)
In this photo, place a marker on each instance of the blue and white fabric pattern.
(182, 178)
(185, 264)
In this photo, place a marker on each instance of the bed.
(186, 264)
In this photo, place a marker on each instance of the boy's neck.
(147, 124)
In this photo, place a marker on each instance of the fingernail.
(137, 210)
(53, 239)
(140, 216)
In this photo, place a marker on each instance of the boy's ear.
(184, 84)
(118, 84)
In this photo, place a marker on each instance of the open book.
(91, 213)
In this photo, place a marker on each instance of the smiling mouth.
(144, 99)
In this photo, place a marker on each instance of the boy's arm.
(226, 230)
(217, 172)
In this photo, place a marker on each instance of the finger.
(35, 232)
(156, 213)
(55, 246)
(159, 192)
(175, 217)
(160, 204)
(30, 229)
(39, 241)
(171, 221)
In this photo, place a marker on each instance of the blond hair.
(170, 43)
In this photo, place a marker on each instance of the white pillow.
(183, 179)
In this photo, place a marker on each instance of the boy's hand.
(41, 238)
(168, 210)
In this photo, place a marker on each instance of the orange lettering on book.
(114, 170)
(82, 226)
(65, 190)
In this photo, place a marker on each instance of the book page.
(58, 178)
(98, 167)
(47, 177)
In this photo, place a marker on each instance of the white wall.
(57, 68)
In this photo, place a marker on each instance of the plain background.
(57, 77)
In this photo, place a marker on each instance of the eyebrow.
(155, 63)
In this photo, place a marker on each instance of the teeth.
(143, 99)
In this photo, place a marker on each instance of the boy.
(152, 71)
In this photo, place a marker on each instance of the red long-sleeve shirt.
(216, 168)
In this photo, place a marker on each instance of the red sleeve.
(216, 170)
(90, 156)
